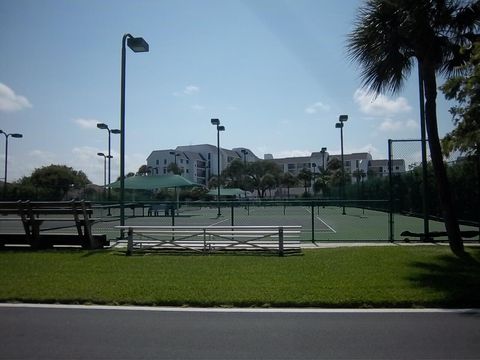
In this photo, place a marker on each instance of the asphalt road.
(79, 333)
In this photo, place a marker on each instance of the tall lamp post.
(110, 132)
(216, 122)
(105, 157)
(323, 151)
(14, 135)
(339, 125)
(175, 154)
(136, 44)
(245, 153)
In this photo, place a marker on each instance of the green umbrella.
(226, 192)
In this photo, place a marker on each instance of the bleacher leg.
(130, 242)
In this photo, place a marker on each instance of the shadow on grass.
(456, 279)
(186, 252)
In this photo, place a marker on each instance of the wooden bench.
(205, 239)
(33, 215)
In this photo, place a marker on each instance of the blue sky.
(275, 72)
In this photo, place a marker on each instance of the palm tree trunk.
(449, 213)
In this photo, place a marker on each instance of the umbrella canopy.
(154, 182)
(226, 192)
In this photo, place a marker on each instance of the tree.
(144, 170)
(174, 169)
(305, 176)
(54, 181)
(289, 181)
(389, 35)
(465, 89)
(258, 170)
(234, 174)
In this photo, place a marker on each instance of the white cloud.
(380, 105)
(188, 90)
(86, 123)
(318, 106)
(390, 125)
(191, 89)
(197, 107)
(10, 102)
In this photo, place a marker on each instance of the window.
(186, 161)
(208, 156)
(157, 162)
(187, 171)
(348, 163)
(164, 170)
(181, 161)
(397, 168)
(357, 163)
(164, 162)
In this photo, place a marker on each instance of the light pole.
(323, 151)
(14, 135)
(175, 154)
(136, 44)
(245, 153)
(216, 122)
(339, 125)
(110, 132)
(105, 157)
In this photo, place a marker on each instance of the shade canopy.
(154, 182)
(226, 192)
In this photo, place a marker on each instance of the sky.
(275, 72)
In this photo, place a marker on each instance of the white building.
(380, 167)
(197, 162)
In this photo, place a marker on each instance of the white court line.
(219, 222)
(324, 223)
(236, 310)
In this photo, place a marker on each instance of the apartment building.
(199, 162)
(380, 167)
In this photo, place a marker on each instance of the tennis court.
(319, 223)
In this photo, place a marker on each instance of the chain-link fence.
(321, 220)
(415, 204)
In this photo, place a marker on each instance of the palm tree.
(288, 180)
(389, 35)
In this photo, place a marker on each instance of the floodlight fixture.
(137, 44)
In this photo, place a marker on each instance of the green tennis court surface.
(324, 224)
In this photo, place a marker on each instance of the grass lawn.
(404, 276)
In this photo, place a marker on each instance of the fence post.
(313, 223)
(204, 240)
(390, 183)
(280, 241)
(130, 242)
(232, 215)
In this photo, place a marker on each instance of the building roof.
(294, 160)
(353, 156)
